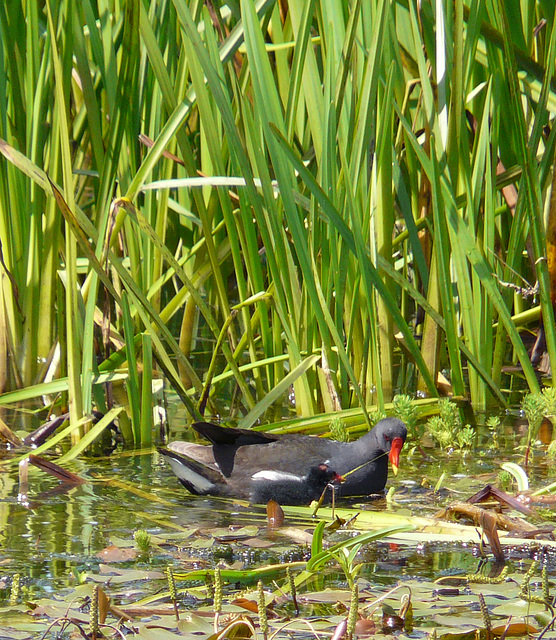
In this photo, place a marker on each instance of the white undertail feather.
(197, 480)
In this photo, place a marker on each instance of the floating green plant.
(142, 540)
(446, 427)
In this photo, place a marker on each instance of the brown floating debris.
(245, 603)
(9, 435)
(488, 524)
(487, 520)
(113, 553)
(514, 629)
(340, 631)
(474, 512)
(55, 470)
(40, 435)
(23, 481)
(489, 492)
(549, 499)
(274, 514)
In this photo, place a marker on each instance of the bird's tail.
(195, 477)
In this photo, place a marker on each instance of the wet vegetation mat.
(218, 568)
(461, 546)
(458, 607)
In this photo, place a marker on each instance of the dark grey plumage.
(231, 464)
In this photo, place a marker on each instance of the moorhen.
(262, 486)
(251, 464)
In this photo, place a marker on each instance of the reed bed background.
(348, 197)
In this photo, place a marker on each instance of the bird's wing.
(292, 454)
(228, 436)
(199, 452)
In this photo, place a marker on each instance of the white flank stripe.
(276, 476)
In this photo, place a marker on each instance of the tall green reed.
(369, 147)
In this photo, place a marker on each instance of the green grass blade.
(279, 391)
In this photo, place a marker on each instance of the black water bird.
(295, 468)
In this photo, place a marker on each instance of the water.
(53, 539)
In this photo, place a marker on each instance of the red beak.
(397, 444)
(338, 479)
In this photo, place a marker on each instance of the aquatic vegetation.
(142, 540)
(406, 410)
(409, 571)
(534, 406)
(446, 427)
(337, 203)
(338, 429)
(270, 209)
(472, 601)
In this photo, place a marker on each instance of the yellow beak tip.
(395, 469)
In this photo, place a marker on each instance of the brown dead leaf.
(103, 606)
(297, 535)
(340, 631)
(9, 435)
(245, 603)
(274, 514)
(489, 492)
(473, 511)
(253, 607)
(241, 628)
(515, 630)
(365, 627)
(40, 435)
(117, 554)
(120, 614)
(488, 525)
(257, 543)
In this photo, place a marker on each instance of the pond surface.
(62, 540)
